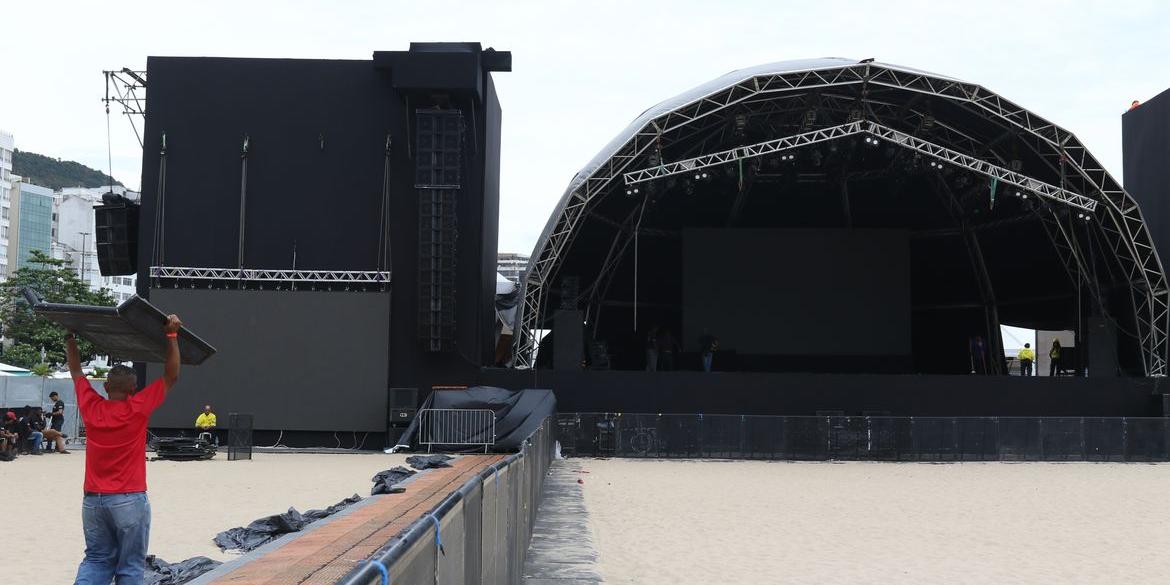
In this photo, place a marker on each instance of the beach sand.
(190, 503)
(681, 522)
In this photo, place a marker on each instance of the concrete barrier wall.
(484, 527)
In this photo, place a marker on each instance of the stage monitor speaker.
(1166, 405)
(1102, 347)
(403, 405)
(568, 341)
(116, 236)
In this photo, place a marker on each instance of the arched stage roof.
(1095, 229)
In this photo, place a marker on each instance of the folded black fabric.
(263, 530)
(160, 572)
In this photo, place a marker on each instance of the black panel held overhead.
(116, 233)
(438, 179)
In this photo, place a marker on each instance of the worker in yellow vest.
(1027, 357)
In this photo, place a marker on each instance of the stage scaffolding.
(890, 103)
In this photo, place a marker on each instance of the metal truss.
(861, 84)
(262, 275)
(122, 88)
(902, 139)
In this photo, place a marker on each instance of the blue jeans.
(707, 362)
(35, 439)
(117, 531)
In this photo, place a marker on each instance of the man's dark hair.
(122, 377)
(52, 394)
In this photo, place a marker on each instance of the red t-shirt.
(115, 437)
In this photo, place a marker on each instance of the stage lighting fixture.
(697, 176)
(705, 175)
(1018, 194)
(1025, 195)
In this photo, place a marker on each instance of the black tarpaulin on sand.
(518, 412)
(262, 530)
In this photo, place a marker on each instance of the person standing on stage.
(667, 346)
(979, 356)
(708, 344)
(115, 512)
(1027, 356)
(1054, 359)
(652, 350)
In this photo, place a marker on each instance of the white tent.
(1014, 339)
(7, 370)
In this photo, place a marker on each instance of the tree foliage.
(25, 333)
(56, 173)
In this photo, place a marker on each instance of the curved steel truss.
(1083, 182)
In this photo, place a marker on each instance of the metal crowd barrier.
(457, 427)
(865, 438)
(478, 534)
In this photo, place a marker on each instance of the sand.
(190, 503)
(681, 522)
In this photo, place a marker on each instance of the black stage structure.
(331, 223)
(845, 228)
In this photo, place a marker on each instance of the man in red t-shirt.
(115, 512)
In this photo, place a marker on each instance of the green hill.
(55, 173)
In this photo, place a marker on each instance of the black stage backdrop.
(796, 292)
(304, 360)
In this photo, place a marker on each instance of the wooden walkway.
(330, 548)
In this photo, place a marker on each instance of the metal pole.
(84, 236)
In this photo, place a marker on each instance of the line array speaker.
(438, 164)
(116, 234)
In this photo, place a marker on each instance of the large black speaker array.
(438, 160)
(116, 233)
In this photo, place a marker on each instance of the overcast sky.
(582, 72)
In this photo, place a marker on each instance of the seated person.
(29, 437)
(206, 419)
(206, 422)
(36, 423)
(8, 441)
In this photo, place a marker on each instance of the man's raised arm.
(171, 369)
(73, 356)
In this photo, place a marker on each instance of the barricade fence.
(478, 534)
(457, 427)
(865, 438)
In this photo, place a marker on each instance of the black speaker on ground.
(403, 405)
(1102, 335)
(116, 234)
(1166, 405)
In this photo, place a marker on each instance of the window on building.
(5, 213)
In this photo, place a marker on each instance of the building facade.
(30, 223)
(7, 145)
(512, 265)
